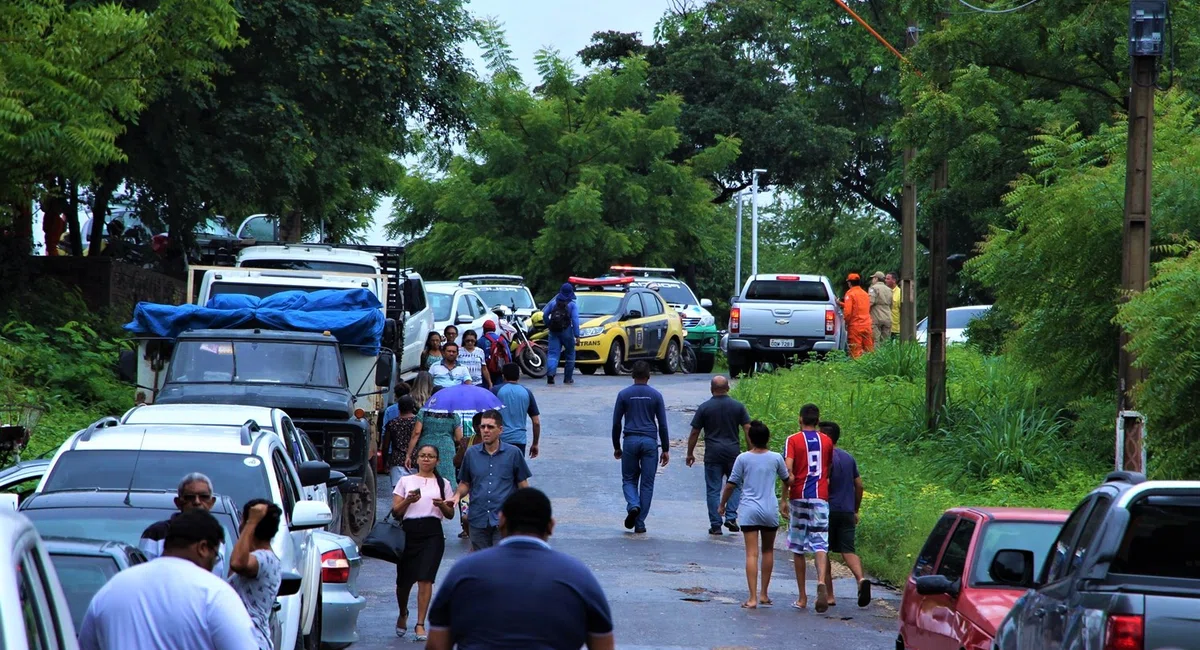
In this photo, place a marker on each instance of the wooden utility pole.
(908, 233)
(935, 331)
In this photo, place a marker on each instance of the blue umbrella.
(462, 400)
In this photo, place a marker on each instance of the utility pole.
(754, 219)
(908, 233)
(1147, 22)
(935, 331)
(737, 247)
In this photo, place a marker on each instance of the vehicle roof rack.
(1132, 478)
(491, 277)
(103, 423)
(643, 271)
(248, 428)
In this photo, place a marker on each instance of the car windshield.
(958, 318)
(257, 290)
(214, 227)
(441, 303)
(1034, 536)
(675, 293)
(81, 576)
(309, 265)
(505, 297)
(1160, 539)
(239, 476)
(256, 362)
(598, 304)
(788, 290)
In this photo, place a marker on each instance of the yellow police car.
(620, 323)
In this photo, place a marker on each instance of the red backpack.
(498, 353)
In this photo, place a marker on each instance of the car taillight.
(830, 321)
(1124, 632)
(335, 568)
(735, 319)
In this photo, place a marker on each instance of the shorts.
(808, 530)
(757, 529)
(841, 532)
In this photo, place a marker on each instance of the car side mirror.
(464, 319)
(307, 515)
(336, 478)
(313, 472)
(935, 585)
(632, 314)
(290, 585)
(705, 303)
(383, 367)
(1013, 568)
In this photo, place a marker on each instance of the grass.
(998, 445)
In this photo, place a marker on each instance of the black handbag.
(386, 541)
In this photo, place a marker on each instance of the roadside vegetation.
(1001, 442)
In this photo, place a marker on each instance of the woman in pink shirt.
(420, 500)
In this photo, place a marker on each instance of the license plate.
(783, 343)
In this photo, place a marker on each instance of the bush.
(1013, 440)
(988, 332)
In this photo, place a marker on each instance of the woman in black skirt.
(420, 500)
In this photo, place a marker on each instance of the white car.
(33, 609)
(243, 462)
(458, 306)
(508, 291)
(957, 319)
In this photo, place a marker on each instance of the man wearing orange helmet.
(856, 307)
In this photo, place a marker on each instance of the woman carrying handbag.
(420, 501)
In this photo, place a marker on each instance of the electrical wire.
(879, 38)
(996, 11)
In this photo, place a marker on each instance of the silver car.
(341, 603)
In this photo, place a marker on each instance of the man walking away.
(892, 283)
(881, 309)
(448, 373)
(522, 594)
(173, 602)
(808, 455)
(195, 492)
(645, 427)
(721, 418)
(856, 308)
(490, 473)
(845, 498)
(562, 319)
(519, 404)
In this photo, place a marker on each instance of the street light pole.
(754, 220)
(737, 248)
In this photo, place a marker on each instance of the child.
(755, 472)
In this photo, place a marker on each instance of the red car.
(950, 602)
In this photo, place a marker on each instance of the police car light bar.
(646, 270)
(599, 282)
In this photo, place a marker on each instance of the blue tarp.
(352, 316)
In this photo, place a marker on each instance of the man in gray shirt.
(721, 418)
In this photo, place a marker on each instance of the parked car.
(620, 323)
(508, 291)
(33, 609)
(459, 306)
(957, 319)
(341, 602)
(700, 324)
(1123, 573)
(950, 601)
(86, 565)
(779, 317)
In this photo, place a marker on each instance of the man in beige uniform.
(881, 309)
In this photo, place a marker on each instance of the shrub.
(1013, 440)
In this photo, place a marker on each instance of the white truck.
(779, 317)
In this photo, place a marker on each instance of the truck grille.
(690, 322)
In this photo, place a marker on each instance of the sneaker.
(550, 380)
(631, 517)
(714, 530)
(639, 529)
(732, 526)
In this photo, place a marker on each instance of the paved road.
(673, 588)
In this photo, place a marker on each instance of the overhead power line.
(879, 38)
(996, 11)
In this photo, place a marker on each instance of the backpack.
(498, 353)
(560, 317)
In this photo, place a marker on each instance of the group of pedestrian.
(871, 317)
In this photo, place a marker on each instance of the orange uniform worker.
(856, 307)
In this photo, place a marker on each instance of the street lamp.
(754, 221)
(737, 246)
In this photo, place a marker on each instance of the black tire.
(359, 509)
(588, 370)
(672, 363)
(738, 366)
(687, 360)
(312, 641)
(533, 362)
(705, 363)
(616, 358)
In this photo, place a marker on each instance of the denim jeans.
(562, 344)
(639, 462)
(715, 475)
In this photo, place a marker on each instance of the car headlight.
(341, 442)
(707, 320)
(341, 454)
(591, 331)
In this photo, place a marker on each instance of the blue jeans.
(715, 475)
(639, 462)
(561, 344)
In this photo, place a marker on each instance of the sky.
(531, 25)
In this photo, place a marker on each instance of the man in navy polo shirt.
(522, 594)
(490, 473)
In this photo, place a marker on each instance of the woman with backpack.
(561, 316)
(496, 353)
(420, 501)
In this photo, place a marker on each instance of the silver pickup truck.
(780, 317)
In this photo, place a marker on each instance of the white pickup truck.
(780, 317)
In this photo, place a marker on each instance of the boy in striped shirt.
(808, 455)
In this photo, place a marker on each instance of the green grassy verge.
(998, 446)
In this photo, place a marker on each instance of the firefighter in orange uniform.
(856, 307)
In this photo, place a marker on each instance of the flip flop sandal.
(799, 606)
(864, 593)
(822, 600)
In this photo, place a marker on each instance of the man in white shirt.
(449, 373)
(173, 602)
(195, 492)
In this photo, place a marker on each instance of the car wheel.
(672, 363)
(588, 370)
(705, 363)
(737, 366)
(616, 358)
(359, 506)
(312, 640)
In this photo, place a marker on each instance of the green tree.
(565, 179)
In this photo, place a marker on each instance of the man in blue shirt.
(490, 473)
(519, 404)
(645, 427)
(845, 498)
(561, 317)
(522, 594)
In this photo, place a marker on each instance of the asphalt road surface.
(676, 586)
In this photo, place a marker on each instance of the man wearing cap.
(881, 309)
(856, 307)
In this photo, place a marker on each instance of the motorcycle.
(527, 354)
